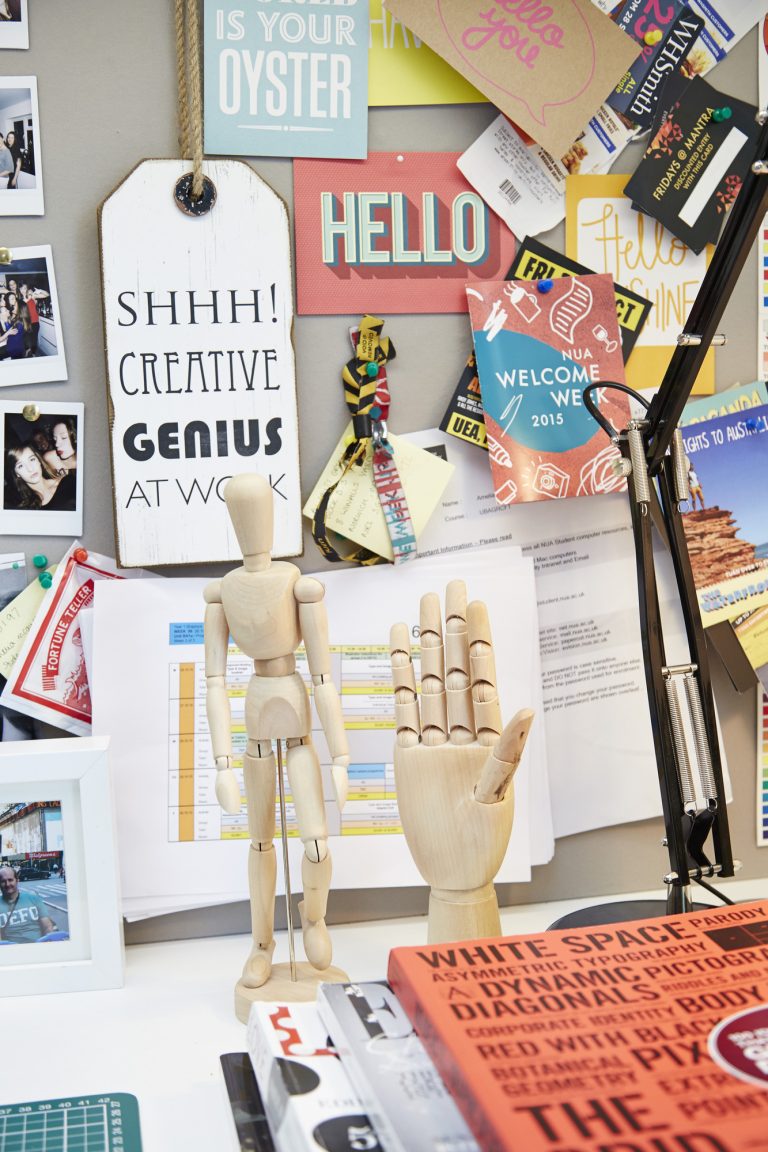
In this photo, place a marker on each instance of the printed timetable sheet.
(177, 849)
(361, 671)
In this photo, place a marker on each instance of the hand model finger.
(434, 719)
(482, 673)
(406, 703)
(459, 693)
(504, 759)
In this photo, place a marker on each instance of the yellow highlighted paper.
(355, 511)
(402, 70)
(16, 621)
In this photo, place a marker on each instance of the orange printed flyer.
(603, 232)
(641, 1036)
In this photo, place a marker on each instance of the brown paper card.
(546, 66)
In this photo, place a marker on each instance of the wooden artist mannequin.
(454, 764)
(268, 608)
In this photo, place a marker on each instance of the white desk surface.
(160, 1037)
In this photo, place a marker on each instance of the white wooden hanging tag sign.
(198, 313)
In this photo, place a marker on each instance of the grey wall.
(107, 89)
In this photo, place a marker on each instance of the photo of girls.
(14, 24)
(41, 472)
(21, 179)
(31, 347)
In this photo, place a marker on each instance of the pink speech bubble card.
(546, 66)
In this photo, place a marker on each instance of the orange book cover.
(642, 1036)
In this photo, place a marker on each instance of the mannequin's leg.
(307, 791)
(259, 774)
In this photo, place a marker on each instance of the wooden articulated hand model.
(268, 608)
(454, 764)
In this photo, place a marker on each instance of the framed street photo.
(60, 922)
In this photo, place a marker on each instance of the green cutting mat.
(84, 1124)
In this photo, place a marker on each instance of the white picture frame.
(76, 773)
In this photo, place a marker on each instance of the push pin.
(544, 286)
(45, 579)
(375, 412)
(40, 561)
(31, 412)
(6, 256)
(80, 555)
(721, 114)
(652, 36)
(372, 368)
(752, 424)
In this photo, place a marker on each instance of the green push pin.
(40, 561)
(372, 369)
(721, 114)
(45, 579)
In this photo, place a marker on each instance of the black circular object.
(616, 912)
(182, 194)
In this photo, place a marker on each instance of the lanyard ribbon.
(366, 393)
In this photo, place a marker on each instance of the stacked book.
(644, 1036)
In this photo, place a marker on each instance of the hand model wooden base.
(454, 764)
(268, 608)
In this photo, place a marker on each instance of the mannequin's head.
(250, 507)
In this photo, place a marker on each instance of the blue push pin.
(375, 412)
(545, 285)
(752, 424)
(372, 369)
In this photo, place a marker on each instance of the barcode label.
(509, 191)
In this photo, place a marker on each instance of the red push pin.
(80, 555)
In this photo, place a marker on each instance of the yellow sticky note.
(403, 70)
(355, 511)
(16, 619)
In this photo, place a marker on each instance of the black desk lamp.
(654, 462)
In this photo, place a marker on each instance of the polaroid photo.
(21, 164)
(31, 343)
(14, 24)
(42, 447)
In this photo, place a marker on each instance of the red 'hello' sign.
(398, 232)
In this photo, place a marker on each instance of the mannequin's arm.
(216, 699)
(313, 619)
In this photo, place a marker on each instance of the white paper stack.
(177, 849)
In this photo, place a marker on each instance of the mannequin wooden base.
(281, 988)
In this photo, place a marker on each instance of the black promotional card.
(694, 167)
(666, 34)
(464, 415)
(535, 261)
